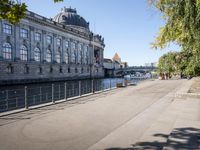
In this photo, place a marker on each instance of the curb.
(192, 95)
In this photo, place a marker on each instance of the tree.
(182, 26)
(13, 10)
(168, 63)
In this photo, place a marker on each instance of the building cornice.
(48, 22)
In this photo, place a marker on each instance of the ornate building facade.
(40, 49)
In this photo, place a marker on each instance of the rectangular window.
(37, 36)
(23, 33)
(58, 42)
(7, 28)
(49, 39)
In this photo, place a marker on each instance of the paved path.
(147, 116)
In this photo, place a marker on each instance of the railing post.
(110, 83)
(25, 97)
(92, 86)
(65, 90)
(79, 85)
(40, 93)
(59, 93)
(7, 99)
(52, 90)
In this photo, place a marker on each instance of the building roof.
(69, 16)
(117, 58)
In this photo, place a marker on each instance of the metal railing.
(16, 97)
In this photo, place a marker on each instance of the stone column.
(54, 47)
(102, 56)
(43, 47)
(70, 50)
(1, 39)
(91, 54)
(76, 51)
(32, 44)
(63, 49)
(17, 43)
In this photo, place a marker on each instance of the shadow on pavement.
(179, 139)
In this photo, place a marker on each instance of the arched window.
(48, 55)
(58, 56)
(7, 51)
(23, 53)
(37, 54)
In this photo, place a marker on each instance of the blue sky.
(128, 26)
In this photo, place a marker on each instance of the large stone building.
(40, 49)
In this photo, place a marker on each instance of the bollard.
(25, 97)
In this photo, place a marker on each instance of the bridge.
(133, 70)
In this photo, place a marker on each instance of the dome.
(69, 16)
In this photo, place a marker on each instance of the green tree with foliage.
(168, 63)
(182, 26)
(14, 10)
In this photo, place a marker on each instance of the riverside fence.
(25, 96)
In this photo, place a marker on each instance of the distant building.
(110, 65)
(154, 64)
(118, 63)
(124, 64)
(41, 49)
(116, 58)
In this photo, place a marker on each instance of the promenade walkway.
(152, 115)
